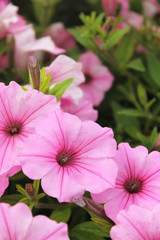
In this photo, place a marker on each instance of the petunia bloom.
(17, 223)
(63, 68)
(137, 224)
(98, 78)
(84, 109)
(60, 36)
(26, 43)
(137, 182)
(10, 21)
(110, 6)
(70, 156)
(19, 111)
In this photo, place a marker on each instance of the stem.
(51, 205)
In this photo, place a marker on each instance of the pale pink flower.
(60, 36)
(150, 8)
(110, 6)
(137, 182)
(63, 68)
(70, 156)
(26, 44)
(18, 223)
(134, 19)
(84, 109)
(4, 182)
(137, 224)
(10, 21)
(98, 78)
(19, 111)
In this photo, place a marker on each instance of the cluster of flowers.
(63, 146)
(71, 156)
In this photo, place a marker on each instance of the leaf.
(125, 50)
(25, 200)
(132, 112)
(87, 230)
(153, 137)
(36, 184)
(60, 88)
(115, 37)
(142, 95)
(124, 122)
(154, 68)
(41, 195)
(11, 199)
(20, 189)
(150, 103)
(45, 81)
(61, 215)
(82, 39)
(136, 64)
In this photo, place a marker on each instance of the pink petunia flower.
(150, 8)
(60, 36)
(19, 111)
(17, 223)
(98, 78)
(63, 68)
(70, 156)
(110, 6)
(10, 21)
(137, 182)
(84, 109)
(137, 224)
(26, 43)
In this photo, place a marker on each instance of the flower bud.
(30, 190)
(34, 72)
(92, 207)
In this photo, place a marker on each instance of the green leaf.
(61, 215)
(142, 95)
(136, 64)
(153, 137)
(115, 37)
(82, 39)
(154, 68)
(150, 103)
(11, 199)
(87, 230)
(60, 88)
(41, 195)
(132, 112)
(45, 81)
(125, 50)
(20, 189)
(36, 184)
(25, 200)
(124, 122)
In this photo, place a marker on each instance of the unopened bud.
(92, 207)
(34, 72)
(30, 190)
(79, 201)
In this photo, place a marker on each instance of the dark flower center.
(88, 78)
(133, 185)
(13, 128)
(64, 158)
